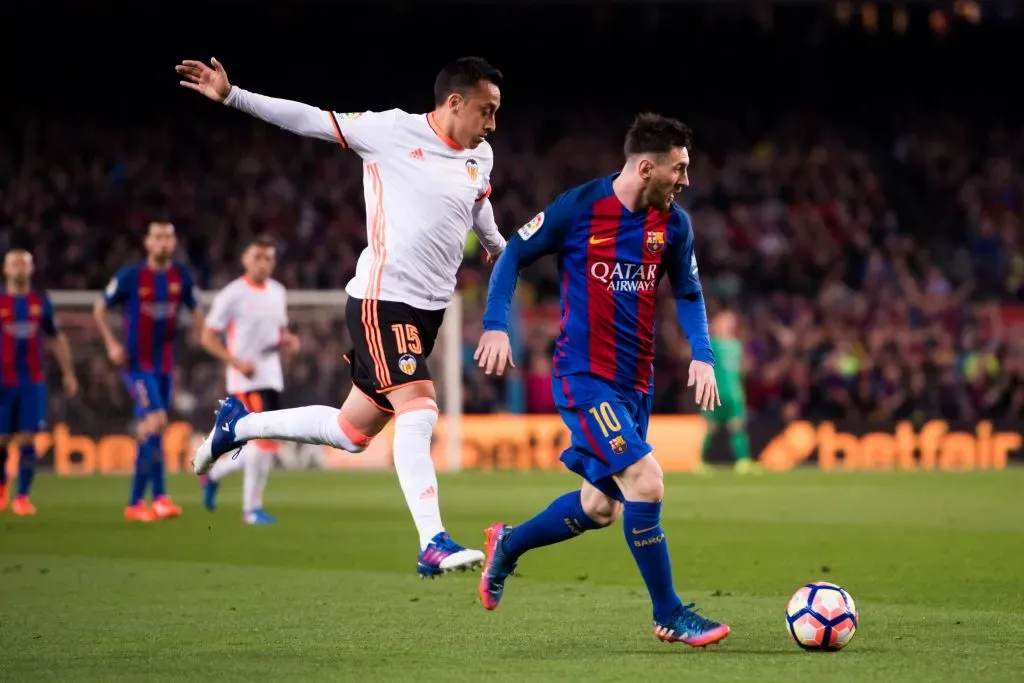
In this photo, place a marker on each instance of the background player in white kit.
(426, 182)
(251, 313)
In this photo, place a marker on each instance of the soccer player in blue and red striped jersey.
(151, 295)
(615, 238)
(26, 316)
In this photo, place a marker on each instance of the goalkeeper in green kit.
(732, 413)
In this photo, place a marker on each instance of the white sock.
(225, 466)
(413, 430)
(258, 463)
(316, 425)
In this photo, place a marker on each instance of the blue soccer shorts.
(150, 391)
(608, 423)
(23, 409)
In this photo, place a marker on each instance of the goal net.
(93, 432)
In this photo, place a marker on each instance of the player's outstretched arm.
(681, 265)
(295, 117)
(542, 235)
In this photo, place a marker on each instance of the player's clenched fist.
(493, 352)
(702, 376)
(211, 82)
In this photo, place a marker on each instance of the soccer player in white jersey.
(251, 313)
(426, 183)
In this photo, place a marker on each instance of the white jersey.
(251, 316)
(423, 191)
(420, 188)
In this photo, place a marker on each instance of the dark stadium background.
(874, 154)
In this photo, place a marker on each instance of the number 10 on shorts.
(605, 418)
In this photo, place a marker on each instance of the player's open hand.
(493, 352)
(70, 386)
(210, 82)
(702, 376)
(116, 354)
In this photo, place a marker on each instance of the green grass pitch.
(933, 560)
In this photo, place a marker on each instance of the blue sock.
(141, 476)
(156, 472)
(26, 468)
(562, 520)
(642, 525)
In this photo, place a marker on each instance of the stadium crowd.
(871, 276)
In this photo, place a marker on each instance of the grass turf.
(330, 593)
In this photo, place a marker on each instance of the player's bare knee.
(643, 481)
(602, 509)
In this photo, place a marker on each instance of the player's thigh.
(600, 420)
(8, 412)
(391, 343)
(364, 361)
(32, 409)
(144, 391)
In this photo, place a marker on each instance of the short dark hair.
(263, 242)
(656, 134)
(462, 75)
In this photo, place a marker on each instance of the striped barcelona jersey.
(610, 262)
(151, 301)
(24, 319)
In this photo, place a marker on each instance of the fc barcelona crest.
(173, 287)
(618, 445)
(35, 310)
(472, 169)
(655, 241)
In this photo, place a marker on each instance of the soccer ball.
(821, 616)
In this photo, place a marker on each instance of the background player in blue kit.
(615, 237)
(151, 295)
(26, 316)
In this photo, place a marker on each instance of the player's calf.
(415, 417)
(27, 461)
(642, 484)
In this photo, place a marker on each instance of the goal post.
(317, 375)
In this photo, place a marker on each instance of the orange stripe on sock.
(421, 403)
(353, 434)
